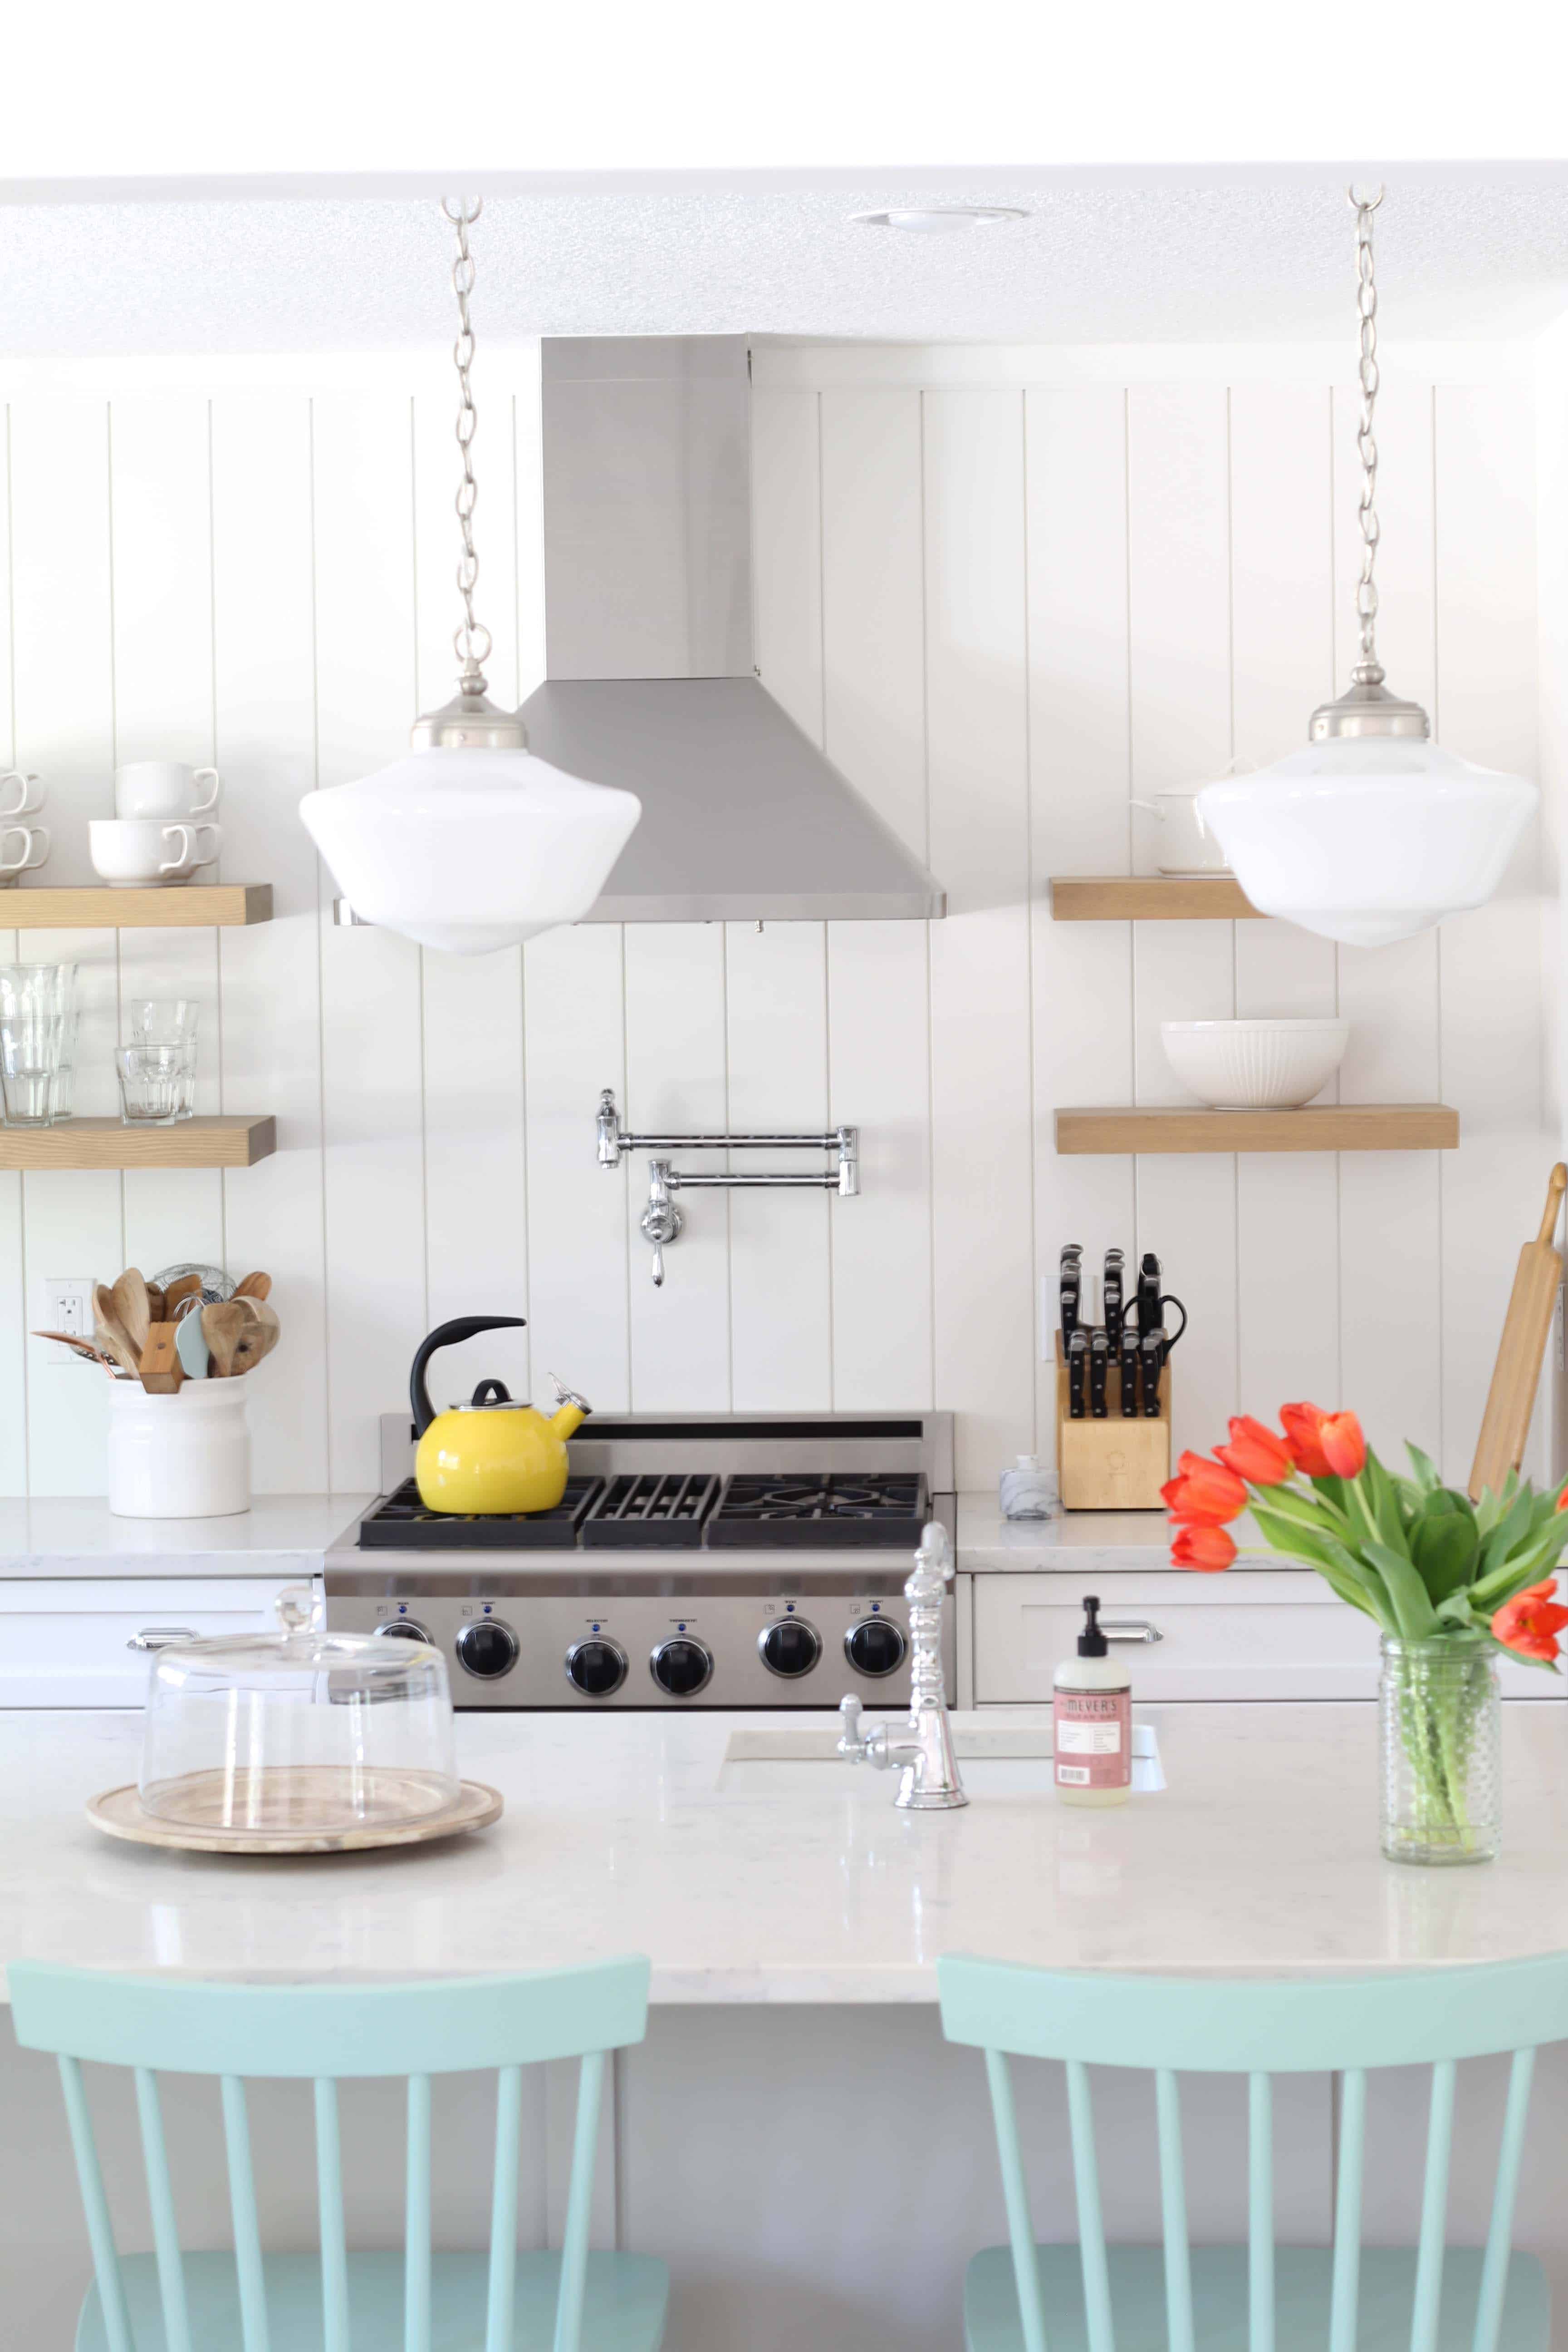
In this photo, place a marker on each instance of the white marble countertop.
(1106, 1543)
(631, 1833)
(72, 1536)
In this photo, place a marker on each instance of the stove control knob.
(875, 1646)
(595, 1668)
(681, 1666)
(789, 1646)
(406, 1629)
(487, 1648)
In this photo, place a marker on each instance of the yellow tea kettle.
(491, 1455)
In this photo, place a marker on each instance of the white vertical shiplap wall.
(1010, 594)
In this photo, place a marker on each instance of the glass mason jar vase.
(1440, 1723)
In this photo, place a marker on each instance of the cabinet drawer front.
(78, 1642)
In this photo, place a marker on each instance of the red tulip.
(1561, 1502)
(1204, 1492)
(1345, 1447)
(1255, 1454)
(1531, 1622)
(1208, 1548)
(1302, 1425)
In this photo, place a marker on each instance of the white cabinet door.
(77, 1641)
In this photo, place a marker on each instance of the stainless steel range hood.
(650, 682)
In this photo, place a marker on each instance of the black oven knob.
(595, 1668)
(406, 1629)
(789, 1646)
(487, 1648)
(875, 1646)
(681, 1666)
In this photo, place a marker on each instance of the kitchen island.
(793, 2134)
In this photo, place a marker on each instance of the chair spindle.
(329, 2204)
(416, 2221)
(1259, 2213)
(161, 2200)
(1433, 2209)
(1090, 2226)
(1015, 2199)
(1494, 2267)
(95, 2204)
(1174, 2212)
(579, 2204)
(1345, 2289)
(247, 2229)
(499, 2308)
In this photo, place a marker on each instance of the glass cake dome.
(298, 1733)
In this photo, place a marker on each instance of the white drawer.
(67, 1641)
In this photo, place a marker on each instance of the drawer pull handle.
(1130, 1629)
(161, 1637)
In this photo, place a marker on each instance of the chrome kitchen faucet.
(928, 1769)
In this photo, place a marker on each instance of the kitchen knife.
(1148, 1293)
(1071, 1281)
(1152, 1349)
(1078, 1364)
(1114, 1263)
(1099, 1362)
(1129, 1370)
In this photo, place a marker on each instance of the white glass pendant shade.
(1368, 838)
(468, 849)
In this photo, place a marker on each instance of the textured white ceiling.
(1458, 255)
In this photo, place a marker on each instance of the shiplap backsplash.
(1006, 598)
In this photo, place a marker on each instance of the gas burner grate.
(851, 1507)
(654, 1509)
(400, 1522)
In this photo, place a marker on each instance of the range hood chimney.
(650, 682)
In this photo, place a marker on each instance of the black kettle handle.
(446, 1335)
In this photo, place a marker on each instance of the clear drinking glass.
(46, 989)
(153, 1083)
(1440, 1722)
(169, 1021)
(29, 1066)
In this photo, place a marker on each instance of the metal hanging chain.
(1369, 670)
(470, 639)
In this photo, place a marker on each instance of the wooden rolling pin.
(1505, 1424)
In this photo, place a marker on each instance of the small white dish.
(165, 788)
(139, 853)
(1255, 1064)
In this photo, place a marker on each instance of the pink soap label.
(1093, 1739)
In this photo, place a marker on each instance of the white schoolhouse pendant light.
(1372, 833)
(470, 843)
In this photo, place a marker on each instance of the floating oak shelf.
(1322, 1127)
(1150, 899)
(227, 1142)
(97, 908)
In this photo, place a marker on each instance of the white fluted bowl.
(1255, 1064)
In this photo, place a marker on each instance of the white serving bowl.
(1255, 1064)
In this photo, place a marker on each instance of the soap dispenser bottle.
(1093, 1725)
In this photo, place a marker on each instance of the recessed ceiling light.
(940, 220)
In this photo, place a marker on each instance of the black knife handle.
(1152, 1346)
(1069, 1299)
(1077, 1365)
(1128, 1371)
(1148, 1292)
(1098, 1361)
(1113, 1297)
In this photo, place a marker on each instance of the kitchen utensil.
(184, 1456)
(221, 1329)
(28, 796)
(1255, 1064)
(258, 1337)
(1078, 1372)
(165, 788)
(207, 1285)
(1148, 1292)
(255, 1286)
(35, 840)
(129, 1298)
(1098, 1361)
(1129, 1370)
(491, 1455)
(132, 853)
(163, 1373)
(111, 1332)
(1111, 1295)
(191, 1346)
(154, 1084)
(78, 1347)
(120, 1814)
(1187, 845)
(1152, 1349)
(30, 1044)
(1511, 1401)
(1071, 1278)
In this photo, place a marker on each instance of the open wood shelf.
(1150, 899)
(228, 1142)
(1322, 1127)
(97, 906)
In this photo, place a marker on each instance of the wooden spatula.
(162, 1370)
(1505, 1424)
(221, 1329)
(130, 1296)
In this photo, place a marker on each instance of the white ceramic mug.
(35, 840)
(29, 794)
(131, 852)
(165, 788)
(1186, 844)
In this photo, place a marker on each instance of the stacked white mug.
(153, 838)
(20, 796)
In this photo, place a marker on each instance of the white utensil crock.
(186, 1456)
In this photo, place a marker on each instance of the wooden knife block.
(1112, 1465)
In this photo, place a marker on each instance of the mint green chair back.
(324, 2034)
(1259, 2027)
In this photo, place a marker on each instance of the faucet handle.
(849, 1740)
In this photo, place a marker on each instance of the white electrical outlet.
(65, 1303)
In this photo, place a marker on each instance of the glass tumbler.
(29, 1065)
(1440, 1720)
(46, 991)
(153, 1083)
(169, 1021)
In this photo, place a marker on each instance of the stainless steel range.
(693, 1561)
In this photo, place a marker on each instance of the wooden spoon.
(162, 1370)
(188, 1286)
(111, 1332)
(222, 1327)
(130, 1304)
(157, 1308)
(255, 1286)
(258, 1339)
